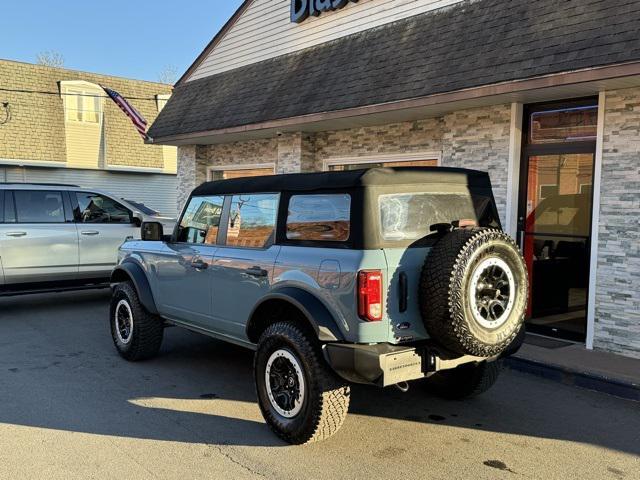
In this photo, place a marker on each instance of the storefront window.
(357, 166)
(564, 125)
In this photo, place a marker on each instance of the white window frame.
(252, 166)
(81, 87)
(383, 158)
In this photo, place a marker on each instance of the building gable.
(263, 29)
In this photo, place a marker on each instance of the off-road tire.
(466, 381)
(326, 400)
(445, 302)
(148, 329)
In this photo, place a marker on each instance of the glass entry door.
(555, 217)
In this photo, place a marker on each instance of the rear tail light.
(370, 295)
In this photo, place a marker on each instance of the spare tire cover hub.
(492, 292)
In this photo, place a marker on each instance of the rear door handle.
(256, 272)
(90, 233)
(199, 264)
(16, 234)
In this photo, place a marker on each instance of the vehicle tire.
(136, 333)
(466, 381)
(301, 398)
(473, 291)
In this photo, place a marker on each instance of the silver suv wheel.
(123, 318)
(285, 383)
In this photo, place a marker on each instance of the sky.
(128, 38)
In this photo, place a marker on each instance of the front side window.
(94, 208)
(201, 220)
(319, 217)
(252, 220)
(409, 216)
(39, 206)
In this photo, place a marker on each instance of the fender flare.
(138, 277)
(318, 317)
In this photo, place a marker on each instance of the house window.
(423, 159)
(82, 102)
(225, 173)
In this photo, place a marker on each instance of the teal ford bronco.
(380, 276)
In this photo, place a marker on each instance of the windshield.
(142, 208)
(409, 216)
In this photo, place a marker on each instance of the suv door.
(38, 237)
(103, 225)
(182, 268)
(243, 265)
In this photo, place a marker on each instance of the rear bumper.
(384, 364)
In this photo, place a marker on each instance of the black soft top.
(295, 182)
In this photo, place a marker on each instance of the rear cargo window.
(409, 216)
(319, 217)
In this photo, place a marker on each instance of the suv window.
(95, 208)
(39, 206)
(409, 216)
(201, 220)
(319, 217)
(252, 220)
(9, 209)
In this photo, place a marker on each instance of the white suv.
(54, 237)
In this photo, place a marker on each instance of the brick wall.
(617, 318)
(36, 130)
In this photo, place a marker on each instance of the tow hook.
(403, 387)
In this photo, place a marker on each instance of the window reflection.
(201, 220)
(252, 220)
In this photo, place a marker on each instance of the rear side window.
(319, 217)
(252, 220)
(39, 206)
(94, 208)
(409, 216)
(201, 220)
(2, 194)
(9, 209)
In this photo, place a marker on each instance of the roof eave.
(594, 74)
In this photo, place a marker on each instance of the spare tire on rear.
(473, 291)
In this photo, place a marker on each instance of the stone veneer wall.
(475, 138)
(617, 318)
(186, 173)
(479, 138)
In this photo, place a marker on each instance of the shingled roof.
(471, 44)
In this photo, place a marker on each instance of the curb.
(617, 388)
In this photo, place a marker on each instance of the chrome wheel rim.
(285, 383)
(492, 292)
(124, 322)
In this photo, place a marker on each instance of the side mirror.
(137, 218)
(151, 231)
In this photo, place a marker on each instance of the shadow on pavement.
(59, 370)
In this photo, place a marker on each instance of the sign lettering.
(303, 9)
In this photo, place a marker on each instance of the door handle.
(256, 272)
(16, 234)
(199, 264)
(90, 233)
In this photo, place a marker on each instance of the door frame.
(519, 177)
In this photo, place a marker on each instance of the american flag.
(135, 116)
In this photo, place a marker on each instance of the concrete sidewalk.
(573, 364)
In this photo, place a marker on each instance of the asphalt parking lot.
(71, 408)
